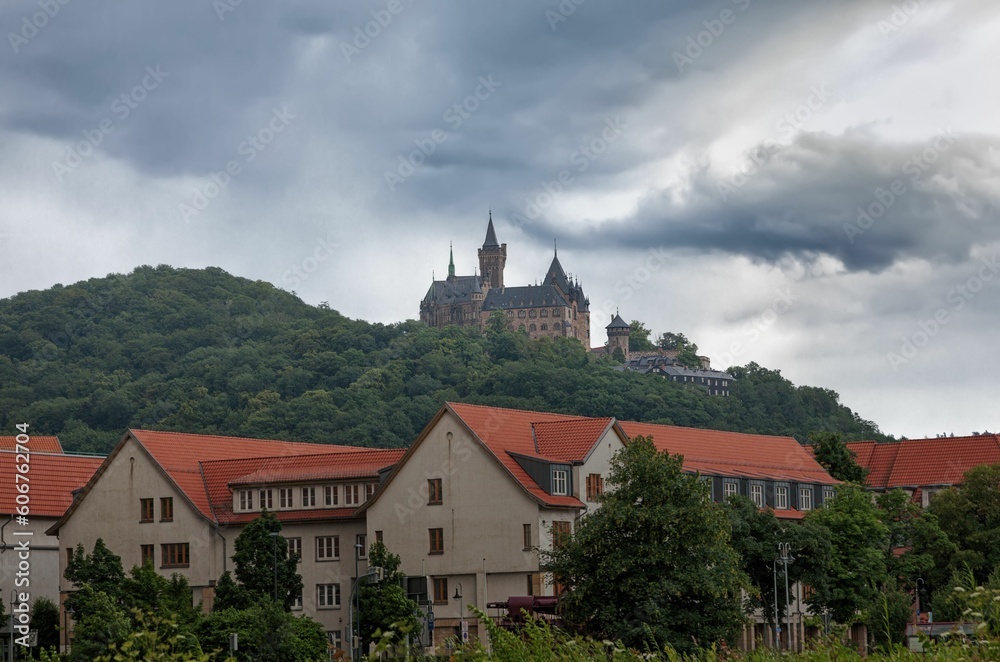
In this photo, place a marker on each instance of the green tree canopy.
(263, 567)
(384, 603)
(831, 451)
(638, 337)
(654, 562)
(970, 516)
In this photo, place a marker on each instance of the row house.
(51, 478)
(180, 500)
(467, 505)
(922, 467)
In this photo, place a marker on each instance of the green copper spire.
(451, 261)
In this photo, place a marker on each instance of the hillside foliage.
(200, 350)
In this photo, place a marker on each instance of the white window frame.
(352, 495)
(362, 539)
(328, 596)
(327, 548)
(757, 494)
(730, 488)
(828, 494)
(308, 497)
(266, 499)
(294, 547)
(246, 500)
(560, 482)
(805, 497)
(286, 498)
(781, 497)
(331, 494)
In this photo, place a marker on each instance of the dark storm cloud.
(863, 201)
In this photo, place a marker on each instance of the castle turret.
(492, 257)
(618, 332)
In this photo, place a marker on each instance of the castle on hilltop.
(557, 308)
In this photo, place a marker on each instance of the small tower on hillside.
(492, 257)
(618, 332)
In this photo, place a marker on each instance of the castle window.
(545, 327)
(544, 313)
(532, 313)
(556, 312)
(510, 313)
(520, 313)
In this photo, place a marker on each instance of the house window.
(369, 490)
(595, 486)
(545, 327)
(437, 541)
(146, 555)
(378, 536)
(333, 639)
(294, 548)
(308, 497)
(531, 327)
(327, 596)
(781, 497)
(327, 548)
(544, 313)
(246, 500)
(757, 494)
(166, 509)
(297, 600)
(434, 492)
(285, 497)
(531, 585)
(806, 497)
(440, 590)
(828, 494)
(527, 536)
(560, 534)
(351, 495)
(559, 481)
(330, 494)
(145, 510)
(362, 540)
(266, 500)
(730, 488)
(531, 313)
(520, 313)
(174, 555)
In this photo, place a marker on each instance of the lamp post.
(777, 622)
(356, 625)
(921, 592)
(461, 614)
(274, 549)
(784, 555)
(13, 597)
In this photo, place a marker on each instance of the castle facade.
(557, 308)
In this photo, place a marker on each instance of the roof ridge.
(234, 438)
(744, 434)
(303, 455)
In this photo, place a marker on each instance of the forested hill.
(204, 351)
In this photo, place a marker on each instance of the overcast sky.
(809, 185)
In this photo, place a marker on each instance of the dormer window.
(560, 482)
(246, 499)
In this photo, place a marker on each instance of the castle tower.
(492, 257)
(618, 332)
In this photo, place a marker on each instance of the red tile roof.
(505, 431)
(734, 453)
(569, 441)
(179, 455)
(221, 476)
(36, 444)
(924, 462)
(52, 479)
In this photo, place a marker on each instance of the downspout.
(225, 555)
(3, 543)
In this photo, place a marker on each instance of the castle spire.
(451, 260)
(555, 247)
(491, 235)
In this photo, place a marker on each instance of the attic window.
(559, 482)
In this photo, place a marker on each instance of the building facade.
(557, 308)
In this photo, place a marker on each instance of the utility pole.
(777, 623)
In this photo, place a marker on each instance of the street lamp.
(274, 548)
(785, 556)
(356, 651)
(921, 592)
(458, 596)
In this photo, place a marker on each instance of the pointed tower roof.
(556, 275)
(451, 261)
(491, 235)
(618, 323)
